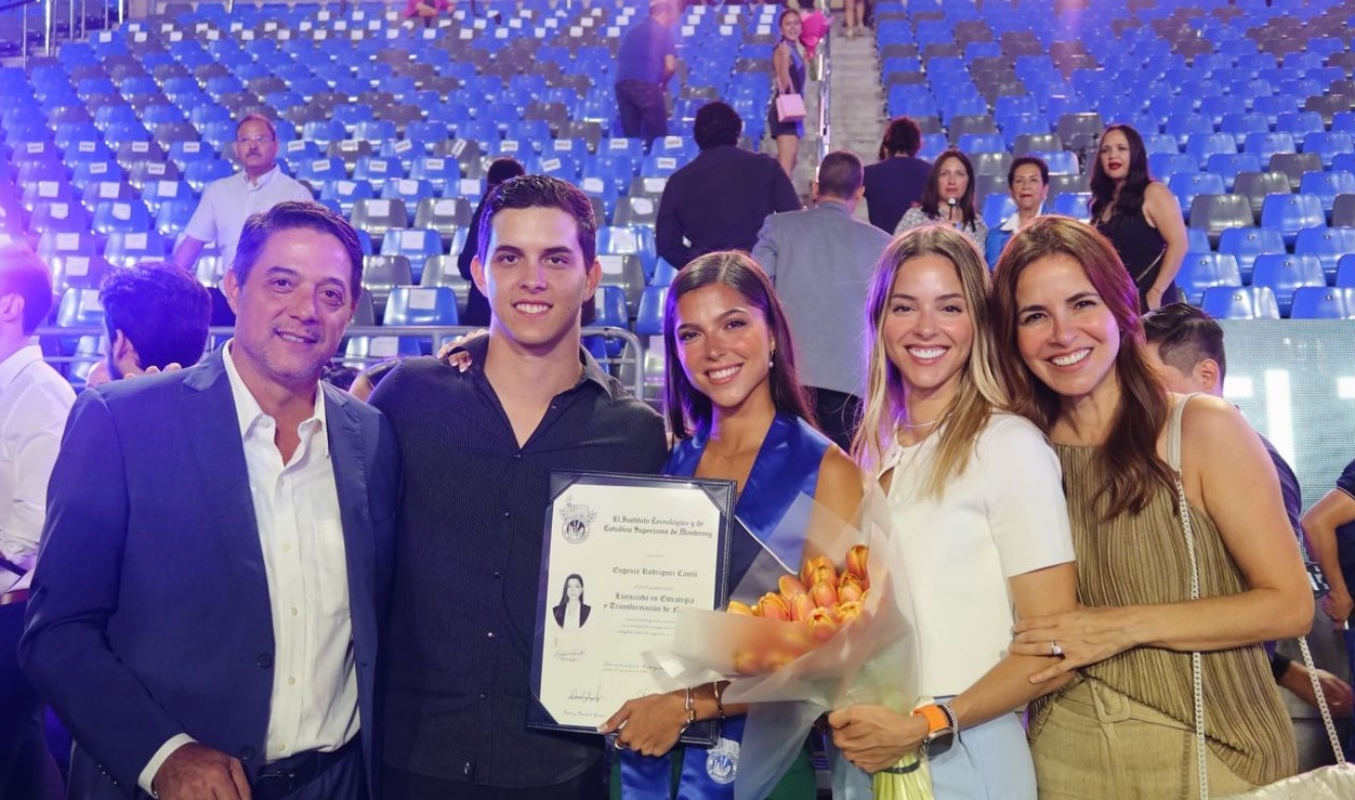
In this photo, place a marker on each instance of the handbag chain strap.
(1196, 665)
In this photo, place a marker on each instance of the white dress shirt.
(34, 403)
(314, 704)
(228, 202)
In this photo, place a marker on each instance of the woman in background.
(895, 183)
(477, 307)
(1139, 215)
(1070, 345)
(948, 199)
(788, 75)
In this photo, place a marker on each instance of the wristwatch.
(942, 725)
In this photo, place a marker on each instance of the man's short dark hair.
(1185, 336)
(24, 274)
(1023, 161)
(902, 137)
(840, 175)
(161, 309)
(717, 124)
(288, 216)
(541, 191)
(502, 169)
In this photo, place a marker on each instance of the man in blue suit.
(218, 551)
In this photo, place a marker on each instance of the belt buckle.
(284, 782)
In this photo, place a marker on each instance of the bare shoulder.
(1213, 425)
(839, 477)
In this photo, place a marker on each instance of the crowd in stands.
(276, 563)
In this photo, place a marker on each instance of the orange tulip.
(809, 572)
(801, 605)
(857, 557)
(824, 594)
(746, 662)
(742, 609)
(849, 611)
(774, 606)
(790, 586)
(822, 626)
(849, 588)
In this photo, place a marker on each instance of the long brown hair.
(1128, 458)
(979, 389)
(689, 409)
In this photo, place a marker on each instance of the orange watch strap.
(936, 718)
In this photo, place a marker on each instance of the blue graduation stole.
(787, 466)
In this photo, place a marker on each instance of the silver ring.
(1055, 650)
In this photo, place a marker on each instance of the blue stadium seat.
(1328, 245)
(376, 170)
(1325, 302)
(1164, 165)
(1072, 204)
(120, 216)
(200, 173)
(1201, 271)
(1247, 302)
(1183, 126)
(1060, 163)
(1240, 124)
(1345, 271)
(173, 216)
(319, 171)
(346, 193)
(1228, 166)
(1282, 274)
(649, 317)
(1245, 244)
(80, 308)
(971, 143)
(1159, 143)
(410, 190)
(421, 305)
(125, 249)
(1291, 213)
(618, 240)
(1327, 145)
(1327, 185)
(997, 207)
(416, 244)
(1185, 185)
(1299, 123)
(1265, 145)
(53, 244)
(1204, 145)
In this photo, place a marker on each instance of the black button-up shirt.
(468, 561)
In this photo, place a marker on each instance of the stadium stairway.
(856, 111)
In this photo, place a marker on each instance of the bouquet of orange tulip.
(832, 635)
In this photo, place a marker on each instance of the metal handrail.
(825, 69)
(631, 355)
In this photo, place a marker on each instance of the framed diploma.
(622, 554)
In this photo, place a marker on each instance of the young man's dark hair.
(717, 124)
(289, 215)
(161, 309)
(541, 191)
(1023, 161)
(840, 175)
(1185, 336)
(23, 273)
(902, 138)
(502, 169)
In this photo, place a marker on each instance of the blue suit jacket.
(150, 612)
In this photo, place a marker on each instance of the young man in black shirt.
(478, 448)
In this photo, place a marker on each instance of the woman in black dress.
(1140, 216)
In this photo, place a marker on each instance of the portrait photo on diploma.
(622, 554)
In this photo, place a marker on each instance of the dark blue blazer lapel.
(351, 463)
(210, 423)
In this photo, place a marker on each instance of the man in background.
(645, 62)
(228, 202)
(719, 200)
(820, 261)
(157, 317)
(1185, 348)
(34, 403)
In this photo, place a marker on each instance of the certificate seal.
(575, 519)
(722, 761)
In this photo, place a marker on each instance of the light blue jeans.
(987, 762)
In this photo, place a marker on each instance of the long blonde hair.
(980, 388)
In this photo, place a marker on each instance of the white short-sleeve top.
(1005, 515)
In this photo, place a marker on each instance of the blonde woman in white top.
(980, 525)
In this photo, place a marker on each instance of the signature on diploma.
(573, 654)
(585, 696)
